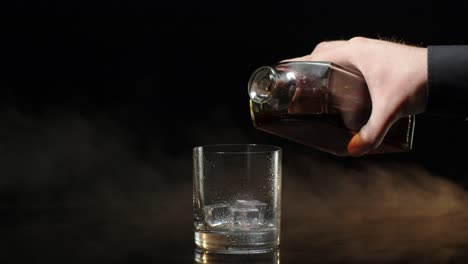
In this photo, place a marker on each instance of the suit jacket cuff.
(447, 81)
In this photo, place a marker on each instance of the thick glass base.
(237, 242)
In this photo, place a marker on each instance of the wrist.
(417, 101)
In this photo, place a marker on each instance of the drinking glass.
(237, 198)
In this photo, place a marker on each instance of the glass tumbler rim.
(238, 149)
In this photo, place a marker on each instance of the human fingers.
(318, 50)
(372, 133)
(327, 45)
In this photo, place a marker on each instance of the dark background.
(102, 102)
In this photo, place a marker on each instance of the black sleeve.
(448, 81)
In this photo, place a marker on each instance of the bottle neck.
(273, 87)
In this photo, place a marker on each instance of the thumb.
(371, 134)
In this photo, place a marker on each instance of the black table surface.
(83, 195)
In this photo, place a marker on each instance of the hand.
(396, 75)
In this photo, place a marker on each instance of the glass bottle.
(318, 104)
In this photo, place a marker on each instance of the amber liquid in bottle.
(322, 106)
